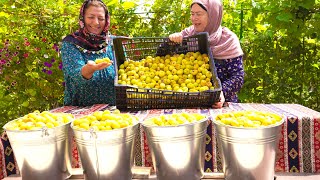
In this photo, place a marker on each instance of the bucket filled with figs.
(248, 141)
(177, 144)
(40, 144)
(105, 141)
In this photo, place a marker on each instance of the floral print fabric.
(231, 74)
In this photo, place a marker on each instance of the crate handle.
(123, 37)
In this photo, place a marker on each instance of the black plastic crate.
(133, 98)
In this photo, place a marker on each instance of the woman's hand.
(88, 69)
(176, 37)
(219, 104)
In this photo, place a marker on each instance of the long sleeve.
(187, 31)
(72, 61)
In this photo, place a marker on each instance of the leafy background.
(280, 39)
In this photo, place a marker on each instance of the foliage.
(282, 56)
(279, 38)
(157, 19)
(30, 66)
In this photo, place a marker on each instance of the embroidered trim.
(103, 50)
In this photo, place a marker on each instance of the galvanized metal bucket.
(42, 154)
(178, 152)
(248, 153)
(107, 155)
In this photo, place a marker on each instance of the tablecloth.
(298, 150)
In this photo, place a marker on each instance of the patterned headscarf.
(223, 42)
(85, 40)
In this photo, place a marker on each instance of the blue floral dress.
(231, 74)
(84, 92)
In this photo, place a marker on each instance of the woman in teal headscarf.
(88, 83)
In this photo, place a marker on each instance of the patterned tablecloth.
(298, 150)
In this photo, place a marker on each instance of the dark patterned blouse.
(231, 74)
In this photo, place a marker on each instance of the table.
(77, 175)
(298, 150)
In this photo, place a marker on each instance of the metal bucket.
(178, 152)
(248, 153)
(42, 154)
(107, 155)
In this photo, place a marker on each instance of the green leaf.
(286, 17)
(112, 2)
(311, 41)
(261, 28)
(32, 92)
(128, 5)
(34, 75)
(3, 14)
(308, 4)
(259, 88)
(25, 104)
(315, 65)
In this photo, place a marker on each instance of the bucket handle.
(45, 131)
(93, 134)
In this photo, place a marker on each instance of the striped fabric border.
(316, 153)
(292, 153)
(2, 163)
(306, 144)
(10, 165)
